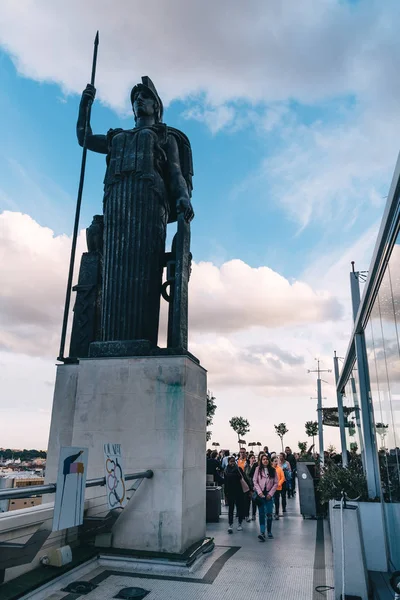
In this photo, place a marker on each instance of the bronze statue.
(148, 183)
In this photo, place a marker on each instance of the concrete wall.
(355, 571)
(372, 530)
(155, 407)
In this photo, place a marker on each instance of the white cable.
(342, 528)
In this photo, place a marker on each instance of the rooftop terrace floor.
(289, 567)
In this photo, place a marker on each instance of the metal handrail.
(50, 488)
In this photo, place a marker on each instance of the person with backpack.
(265, 484)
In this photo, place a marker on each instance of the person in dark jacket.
(234, 492)
(214, 468)
(293, 465)
(249, 472)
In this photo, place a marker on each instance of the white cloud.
(236, 296)
(215, 117)
(238, 66)
(26, 393)
(231, 298)
(252, 329)
(331, 269)
(328, 171)
(34, 264)
(256, 332)
(259, 51)
(267, 370)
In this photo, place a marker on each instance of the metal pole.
(371, 464)
(50, 488)
(77, 213)
(341, 414)
(319, 409)
(355, 291)
(320, 427)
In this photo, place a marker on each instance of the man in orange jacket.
(281, 481)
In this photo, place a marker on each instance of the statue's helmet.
(150, 87)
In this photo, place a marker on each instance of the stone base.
(155, 407)
(125, 348)
(174, 564)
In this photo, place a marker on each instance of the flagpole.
(77, 213)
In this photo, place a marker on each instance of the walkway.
(289, 567)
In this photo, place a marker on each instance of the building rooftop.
(289, 567)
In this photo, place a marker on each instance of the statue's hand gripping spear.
(90, 93)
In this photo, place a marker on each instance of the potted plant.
(336, 479)
(381, 430)
(302, 447)
(311, 429)
(281, 430)
(241, 426)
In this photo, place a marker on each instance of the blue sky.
(293, 119)
(238, 215)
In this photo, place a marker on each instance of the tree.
(312, 429)
(353, 447)
(240, 425)
(335, 480)
(211, 408)
(302, 447)
(281, 430)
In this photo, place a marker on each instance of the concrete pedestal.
(155, 407)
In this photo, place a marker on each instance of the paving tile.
(282, 568)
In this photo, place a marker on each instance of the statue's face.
(143, 104)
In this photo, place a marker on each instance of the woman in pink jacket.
(265, 481)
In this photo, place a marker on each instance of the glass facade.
(383, 350)
(354, 438)
(382, 335)
(377, 322)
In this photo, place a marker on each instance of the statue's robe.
(137, 208)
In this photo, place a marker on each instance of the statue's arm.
(178, 185)
(96, 143)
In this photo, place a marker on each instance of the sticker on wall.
(115, 478)
(71, 483)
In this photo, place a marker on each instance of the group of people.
(250, 483)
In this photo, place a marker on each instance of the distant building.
(19, 479)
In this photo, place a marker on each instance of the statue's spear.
(77, 212)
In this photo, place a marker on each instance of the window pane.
(351, 403)
(383, 350)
